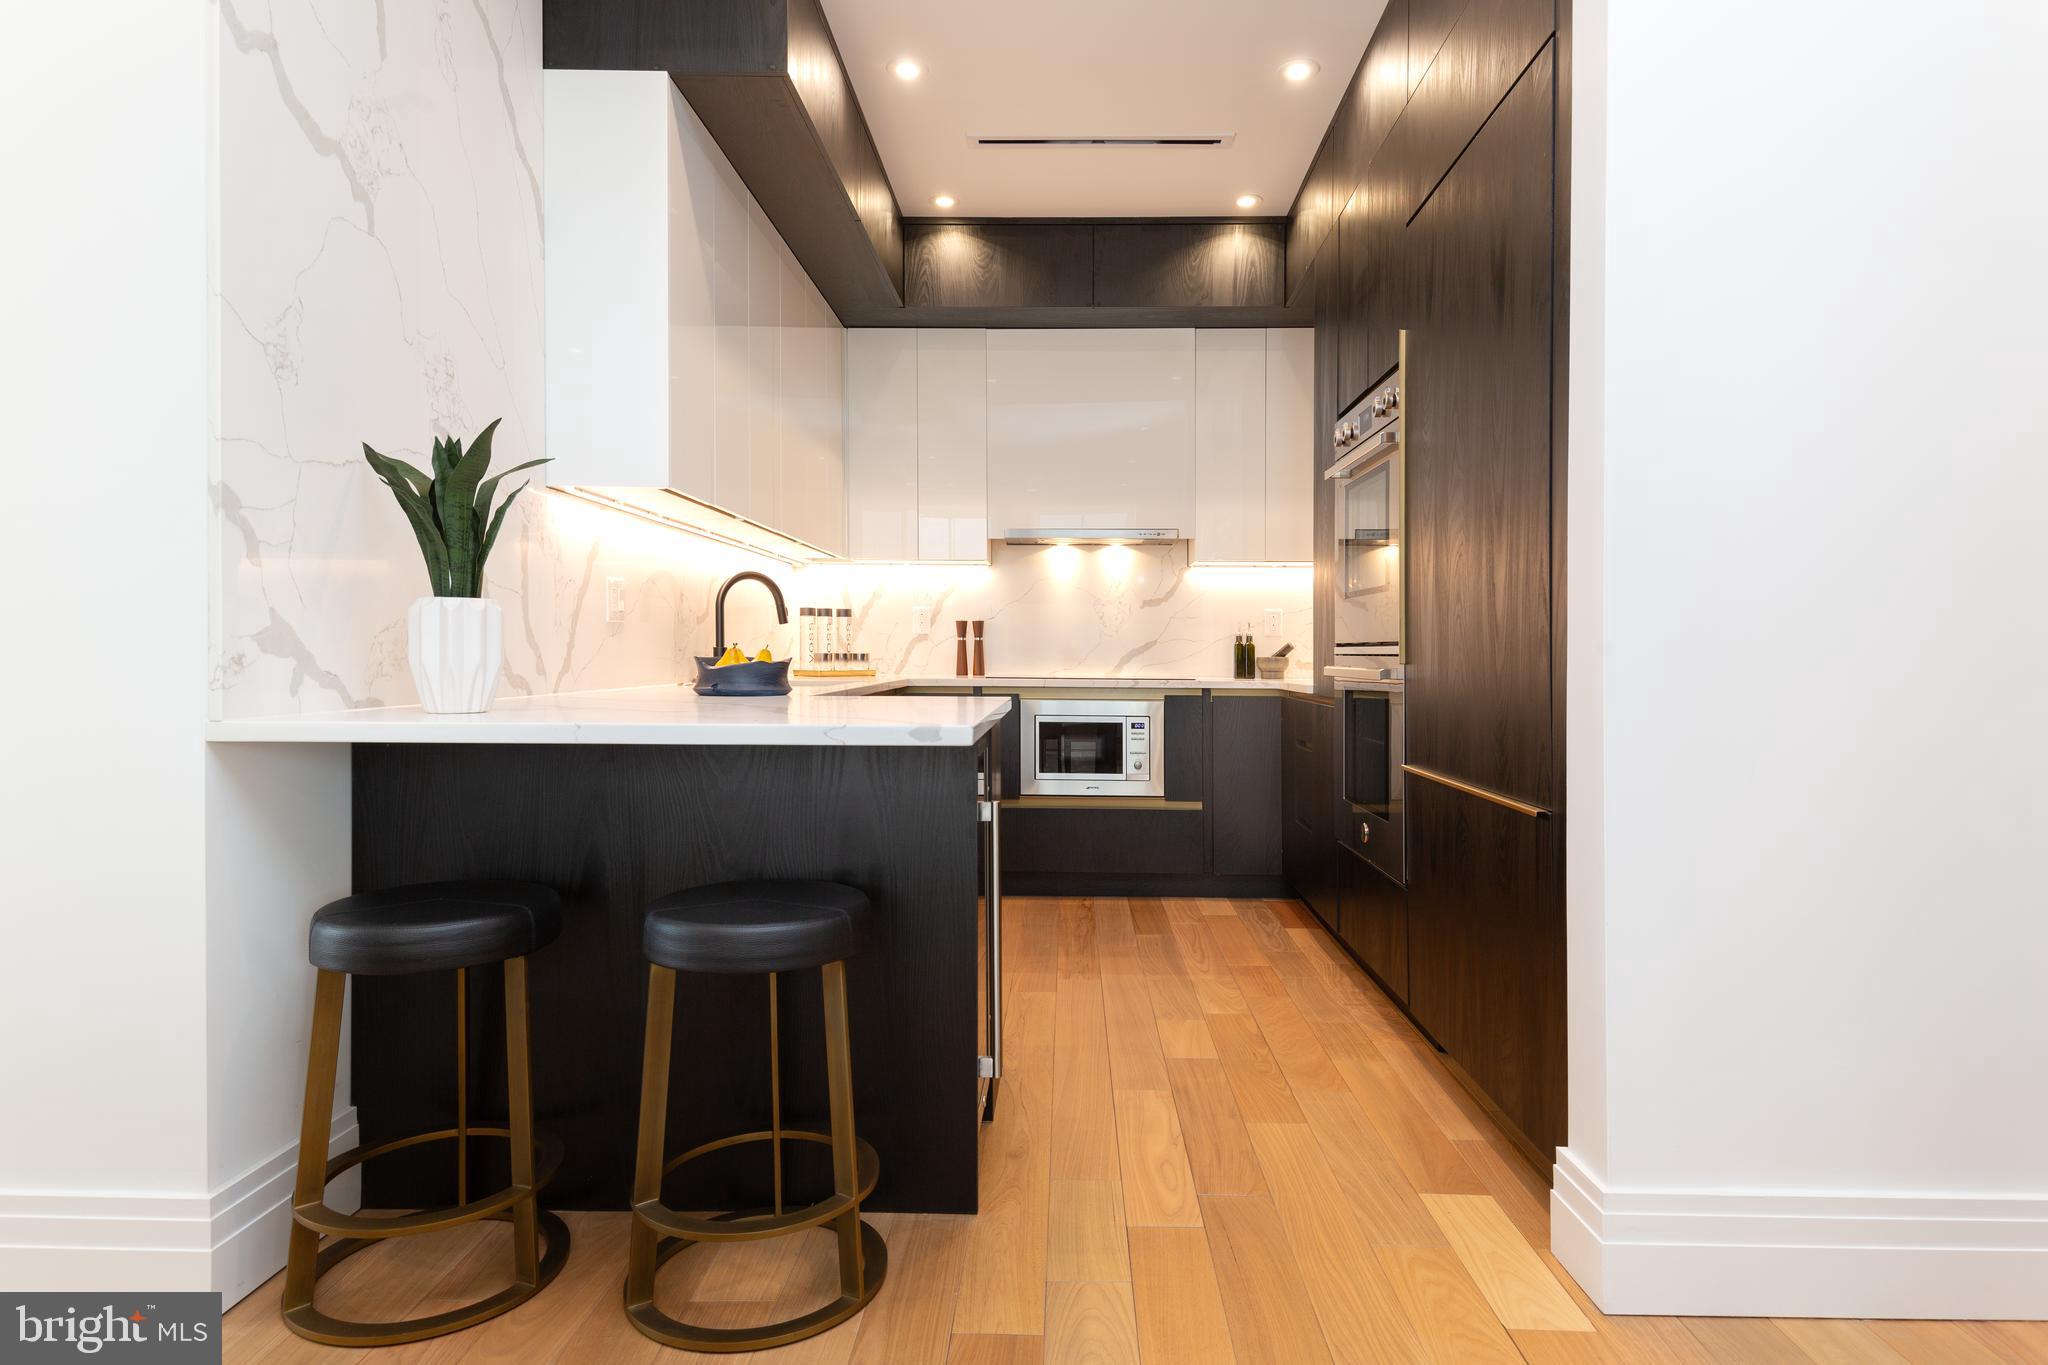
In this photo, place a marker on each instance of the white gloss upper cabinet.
(686, 348)
(881, 442)
(1091, 428)
(1230, 444)
(952, 443)
(1254, 467)
(1290, 443)
(813, 470)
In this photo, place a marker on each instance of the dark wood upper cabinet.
(1383, 82)
(998, 265)
(1189, 265)
(1429, 22)
(1477, 405)
(1354, 358)
(1078, 273)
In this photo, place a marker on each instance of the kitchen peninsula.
(618, 797)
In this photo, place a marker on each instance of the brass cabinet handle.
(1498, 799)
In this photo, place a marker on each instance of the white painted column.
(1809, 631)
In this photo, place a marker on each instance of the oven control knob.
(1138, 763)
(1393, 399)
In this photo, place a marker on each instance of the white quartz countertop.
(826, 711)
(831, 715)
(1074, 680)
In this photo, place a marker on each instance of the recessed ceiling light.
(944, 201)
(1247, 201)
(906, 68)
(1300, 69)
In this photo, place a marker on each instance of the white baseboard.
(1799, 1255)
(230, 1240)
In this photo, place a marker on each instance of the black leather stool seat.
(766, 926)
(434, 927)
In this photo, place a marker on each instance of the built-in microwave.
(1092, 747)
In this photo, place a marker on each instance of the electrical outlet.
(921, 619)
(1273, 627)
(614, 599)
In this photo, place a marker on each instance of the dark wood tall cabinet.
(1441, 217)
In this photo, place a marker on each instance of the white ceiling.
(1096, 68)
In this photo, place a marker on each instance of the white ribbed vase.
(455, 646)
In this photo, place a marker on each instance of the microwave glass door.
(1080, 746)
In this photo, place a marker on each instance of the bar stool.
(765, 927)
(431, 928)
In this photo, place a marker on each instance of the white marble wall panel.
(379, 279)
(1118, 611)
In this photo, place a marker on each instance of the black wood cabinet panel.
(1486, 950)
(1478, 439)
(613, 826)
(819, 77)
(996, 265)
(1244, 790)
(1309, 221)
(1188, 265)
(1308, 786)
(1383, 86)
(1103, 841)
(1356, 310)
(1186, 745)
(1492, 45)
(1485, 894)
(1372, 920)
(1429, 23)
(1329, 293)
(625, 35)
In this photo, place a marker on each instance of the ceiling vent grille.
(1117, 140)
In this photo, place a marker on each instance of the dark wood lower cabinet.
(1308, 782)
(1372, 920)
(1486, 950)
(1244, 783)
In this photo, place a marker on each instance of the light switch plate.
(614, 599)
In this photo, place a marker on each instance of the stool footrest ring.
(331, 1222)
(659, 1326)
(309, 1322)
(727, 1228)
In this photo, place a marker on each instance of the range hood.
(1090, 535)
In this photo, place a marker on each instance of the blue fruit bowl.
(741, 680)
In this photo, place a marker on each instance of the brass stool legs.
(659, 1232)
(306, 1260)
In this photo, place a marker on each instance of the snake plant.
(450, 510)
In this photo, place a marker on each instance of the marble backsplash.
(379, 278)
(1117, 611)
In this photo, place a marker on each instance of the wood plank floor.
(1217, 1142)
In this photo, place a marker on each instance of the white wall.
(106, 342)
(1809, 631)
